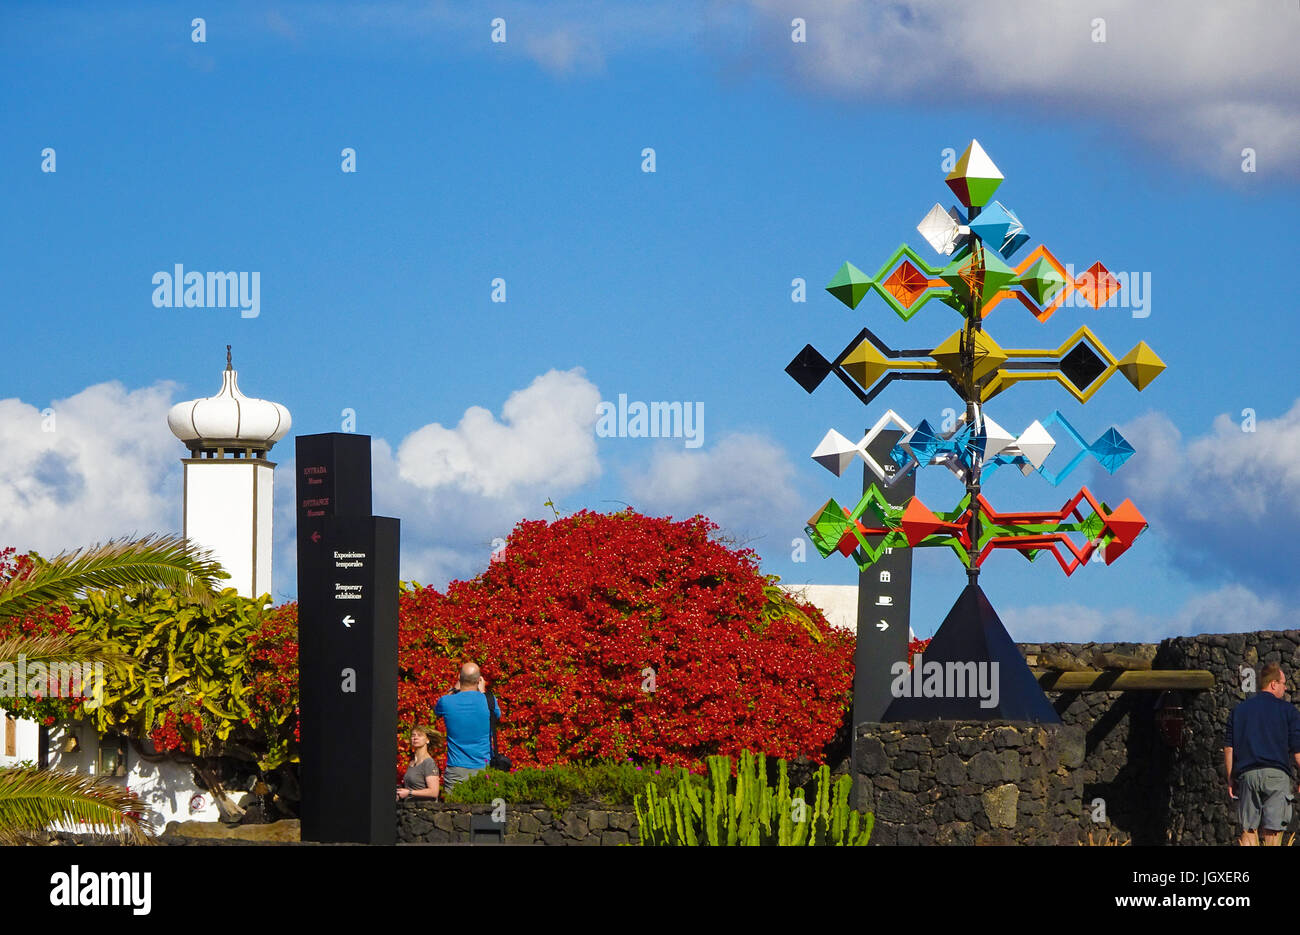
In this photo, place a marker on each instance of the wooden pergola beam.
(1098, 680)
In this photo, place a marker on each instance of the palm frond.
(33, 799)
(168, 561)
(71, 664)
(56, 648)
(781, 604)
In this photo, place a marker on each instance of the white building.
(19, 740)
(227, 509)
(228, 479)
(837, 602)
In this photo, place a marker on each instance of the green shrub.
(559, 787)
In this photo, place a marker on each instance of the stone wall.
(1125, 793)
(961, 782)
(449, 823)
(1199, 811)
(1110, 769)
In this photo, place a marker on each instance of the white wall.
(167, 788)
(265, 486)
(838, 602)
(27, 739)
(219, 515)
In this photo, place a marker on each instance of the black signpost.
(347, 645)
(884, 602)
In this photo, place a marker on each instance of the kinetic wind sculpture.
(975, 280)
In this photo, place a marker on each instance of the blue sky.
(523, 160)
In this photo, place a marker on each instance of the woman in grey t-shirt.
(422, 775)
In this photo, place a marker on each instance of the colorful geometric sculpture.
(1042, 281)
(987, 355)
(836, 453)
(974, 280)
(904, 272)
(907, 282)
(849, 285)
(809, 368)
(1097, 284)
(974, 178)
(997, 226)
(1064, 532)
(1081, 365)
(972, 630)
(944, 230)
(1140, 365)
(976, 275)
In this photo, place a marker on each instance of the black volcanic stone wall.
(449, 823)
(1199, 811)
(965, 782)
(1109, 771)
(1125, 793)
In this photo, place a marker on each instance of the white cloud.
(545, 436)
(563, 50)
(1227, 502)
(1229, 609)
(1201, 80)
(109, 468)
(744, 483)
(459, 490)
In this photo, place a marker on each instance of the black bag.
(495, 760)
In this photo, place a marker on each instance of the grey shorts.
(455, 774)
(1264, 799)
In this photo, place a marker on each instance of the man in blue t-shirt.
(1260, 744)
(469, 743)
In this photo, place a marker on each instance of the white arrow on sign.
(882, 626)
(348, 621)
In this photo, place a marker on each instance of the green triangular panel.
(1041, 281)
(996, 276)
(979, 191)
(849, 285)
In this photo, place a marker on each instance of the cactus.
(747, 811)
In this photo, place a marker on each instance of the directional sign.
(347, 634)
(884, 601)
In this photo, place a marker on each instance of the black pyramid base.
(972, 632)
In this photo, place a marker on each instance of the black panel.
(970, 633)
(347, 646)
(1082, 365)
(809, 368)
(882, 601)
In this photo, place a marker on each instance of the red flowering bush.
(53, 620)
(605, 636)
(616, 635)
(48, 621)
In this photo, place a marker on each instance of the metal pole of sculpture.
(975, 280)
